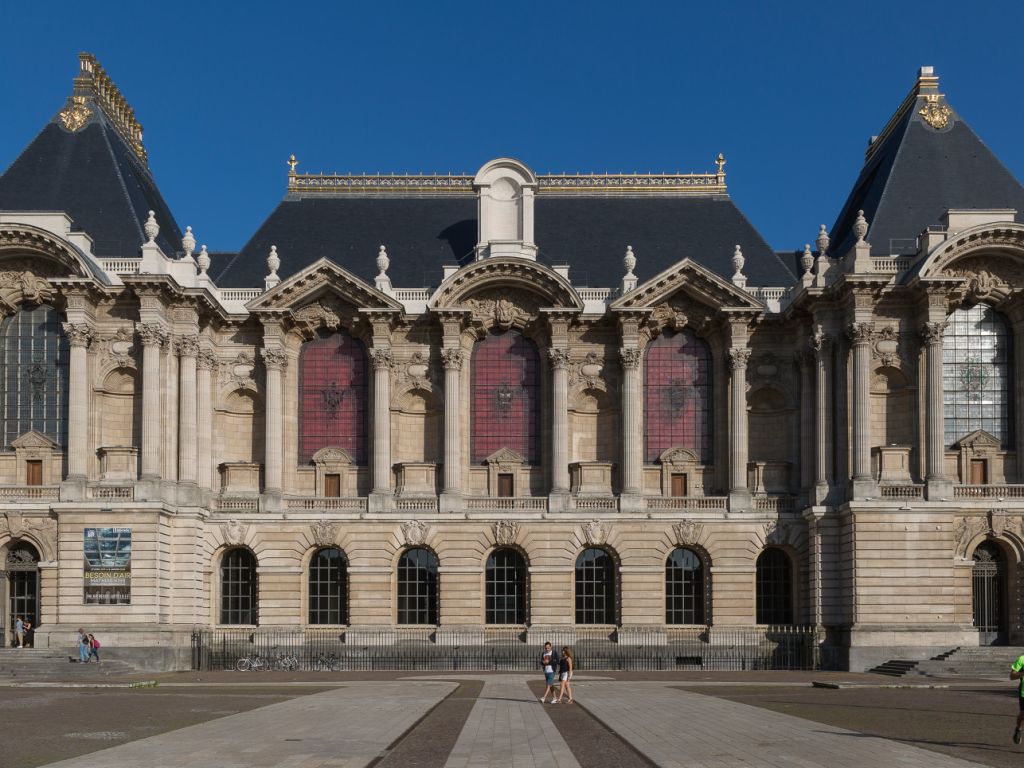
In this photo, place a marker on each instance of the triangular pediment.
(33, 439)
(979, 438)
(505, 456)
(697, 281)
(321, 277)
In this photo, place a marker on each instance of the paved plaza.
(470, 721)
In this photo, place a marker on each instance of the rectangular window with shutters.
(979, 471)
(679, 484)
(505, 485)
(34, 472)
(332, 485)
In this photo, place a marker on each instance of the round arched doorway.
(22, 566)
(989, 594)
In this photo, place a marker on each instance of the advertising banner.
(108, 566)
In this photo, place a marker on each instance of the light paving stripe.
(344, 728)
(508, 728)
(680, 729)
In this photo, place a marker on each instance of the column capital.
(187, 345)
(78, 334)
(859, 333)
(275, 359)
(207, 360)
(381, 358)
(559, 358)
(151, 334)
(738, 358)
(931, 333)
(630, 358)
(452, 359)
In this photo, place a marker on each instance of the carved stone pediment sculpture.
(594, 533)
(324, 533)
(688, 532)
(414, 533)
(234, 532)
(505, 532)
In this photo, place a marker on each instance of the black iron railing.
(507, 649)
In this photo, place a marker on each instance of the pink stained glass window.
(677, 395)
(506, 397)
(332, 396)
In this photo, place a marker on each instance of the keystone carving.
(505, 532)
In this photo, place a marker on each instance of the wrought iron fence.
(510, 649)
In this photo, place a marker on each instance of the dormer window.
(505, 191)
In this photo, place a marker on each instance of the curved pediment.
(506, 274)
(995, 251)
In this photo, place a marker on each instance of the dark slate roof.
(916, 172)
(94, 177)
(589, 232)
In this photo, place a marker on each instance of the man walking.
(19, 633)
(1017, 674)
(83, 646)
(549, 662)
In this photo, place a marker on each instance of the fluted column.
(822, 347)
(78, 336)
(275, 361)
(860, 337)
(152, 336)
(187, 348)
(806, 450)
(935, 443)
(382, 362)
(559, 420)
(452, 359)
(738, 447)
(632, 422)
(204, 415)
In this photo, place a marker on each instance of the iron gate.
(989, 594)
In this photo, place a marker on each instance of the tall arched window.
(417, 587)
(505, 404)
(238, 588)
(332, 396)
(774, 587)
(595, 587)
(328, 587)
(34, 374)
(684, 588)
(977, 375)
(505, 587)
(677, 395)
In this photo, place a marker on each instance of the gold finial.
(720, 162)
(292, 162)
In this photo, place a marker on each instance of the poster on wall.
(108, 566)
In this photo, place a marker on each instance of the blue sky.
(790, 92)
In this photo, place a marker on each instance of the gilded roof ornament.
(94, 84)
(75, 115)
(934, 112)
(292, 162)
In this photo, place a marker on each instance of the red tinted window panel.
(332, 396)
(506, 397)
(677, 395)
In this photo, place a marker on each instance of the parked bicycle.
(254, 663)
(325, 663)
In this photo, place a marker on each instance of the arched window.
(506, 587)
(34, 374)
(595, 587)
(977, 374)
(774, 587)
(677, 395)
(22, 584)
(238, 587)
(332, 396)
(684, 588)
(417, 587)
(505, 404)
(328, 587)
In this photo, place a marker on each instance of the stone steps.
(39, 664)
(980, 661)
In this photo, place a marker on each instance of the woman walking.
(565, 668)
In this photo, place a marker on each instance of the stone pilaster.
(205, 364)
(822, 348)
(153, 336)
(739, 492)
(559, 420)
(78, 335)
(382, 361)
(187, 348)
(805, 367)
(863, 482)
(939, 485)
(275, 361)
(632, 422)
(452, 358)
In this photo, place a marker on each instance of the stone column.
(860, 338)
(275, 361)
(188, 349)
(78, 336)
(559, 420)
(382, 362)
(807, 447)
(935, 442)
(204, 415)
(738, 440)
(152, 336)
(822, 347)
(632, 422)
(452, 358)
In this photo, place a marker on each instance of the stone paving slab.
(509, 728)
(345, 728)
(680, 729)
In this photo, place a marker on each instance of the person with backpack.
(94, 648)
(549, 663)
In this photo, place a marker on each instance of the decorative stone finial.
(188, 242)
(383, 262)
(738, 278)
(720, 162)
(860, 227)
(203, 260)
(273, 261)
(292, 162)
(151, 228)
(807, 259)
(822, 240)
(629, 261)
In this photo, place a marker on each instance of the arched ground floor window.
(328, 587)
(238, 588)
(684, 588)
(596, 587)
(505, 587)
(417, 587)
(774, 587)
